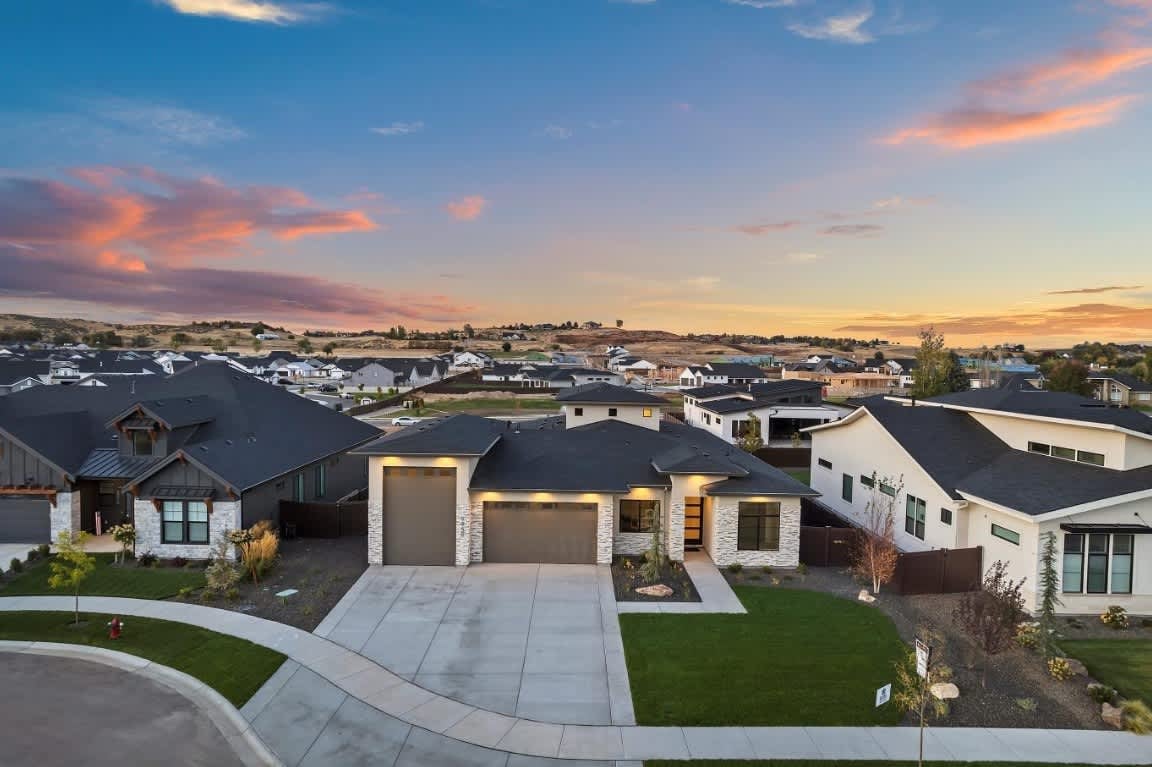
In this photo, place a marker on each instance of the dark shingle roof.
(608, 394)
(1132, 382)
(711, 390)
(1021, 397)
(459, 434)
(177, 412)
(736, 370)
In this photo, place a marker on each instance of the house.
(397, 373)
(843, 384)
(727, 373)
(577, 488)
(18, 374)
(268, 336)
(783, 407)
(1000, 469)
(183, 458)
(630, 365)
(543, 376)
(1120, 389)
(470, 360)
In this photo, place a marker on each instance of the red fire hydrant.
(114, 627)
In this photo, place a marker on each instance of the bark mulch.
(626, 579)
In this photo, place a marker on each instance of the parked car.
(405, 420)
(284, 381)
(329, 388)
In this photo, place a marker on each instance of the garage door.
(24, 520)
(419, 516)
(562, 533)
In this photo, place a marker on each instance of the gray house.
(184, 458)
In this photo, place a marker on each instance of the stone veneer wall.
(463, 532)
(632, 544)
(225, 516)
(64, 514)
(675, 527)
(476, 532)
(725, 514)
(605, 527)
(375, 528)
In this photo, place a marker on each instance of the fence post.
(943, 570)
(827, 545)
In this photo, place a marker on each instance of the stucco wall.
(725, 515)
(1018, 432)
(633, 414)
(224, 516)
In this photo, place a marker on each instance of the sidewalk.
(716, 596)
(374, 699)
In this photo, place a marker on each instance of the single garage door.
(24, 520)
(519, 531)
(419, 516)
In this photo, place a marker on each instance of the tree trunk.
(77, 606)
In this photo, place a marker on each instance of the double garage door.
(24, 520)
(419, 525)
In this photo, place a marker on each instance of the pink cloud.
(759, 229)
(1071, 69)
(467, 208)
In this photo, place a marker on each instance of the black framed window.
(946, 515)
(867, 481)
(1097, 581)
(1087, 456)
(638, 516)
(1072, 575)
(846, 487)
(887, 489)
(647, 412)
(321, 480)
(184, 522)
(826, 464)
(611, 412)
(1122, 563)
(298, 487)
(915, 514)
(758, 526)
(141, 442)
(578, 411)
(1005, 534)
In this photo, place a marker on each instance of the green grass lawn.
(797, 658)
(804, 475)
(108, 580)
(484, 404)
(235, 668)
(1125, 664)
(834, 763)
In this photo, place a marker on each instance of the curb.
(235, 729)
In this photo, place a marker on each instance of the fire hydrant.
(114, 627)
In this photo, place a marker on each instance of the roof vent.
(204, 448)
(227, 442)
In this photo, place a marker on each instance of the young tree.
(1070, 376)
(957, 377)
(506, 346)
(179, 339)
(71, 566)
(258, 328)
(219, 345)
(125, 535)
(933, 366)
(257, 345)
(1049, 593)
(142, 341)
(752, 440)
(652, 568)
(619, 323)
(329, 348)
(912, 693)
(874, 552)
(304, 346)
(990, 616)
(469, 331)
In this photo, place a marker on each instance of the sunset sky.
(841, 167)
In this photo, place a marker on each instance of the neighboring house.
(1120, 389)
(470, 360)
(184, 458)
(537, 375)
(727, 373)
(633, 366)
(19, 374)
(397, 372)
(268, 336)
(843, 384)
(783, 407)
(575, 489)
(1000, 469)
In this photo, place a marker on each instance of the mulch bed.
(1014, 675)
(626, 579)
(321, 569)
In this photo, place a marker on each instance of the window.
(1039, 447)
(1122, 564)
(1067, 453)
(1086, 456)
(846, 487)
(184, 522)
(647, 412)
(887, 489)
(1072, 576)
(1004, 533)
(298, 487)
(758, 526)
(141, 442)
(1098, 563)
(637, 516)
(825, 464)
(915, 513)
(946, 515)
(321, 480)
(867, 481)
(578, 411)
(611, 412)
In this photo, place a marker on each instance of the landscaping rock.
(864, 596)
(1077, 667)
(1112, 715)
(945, 691)
(659, 590)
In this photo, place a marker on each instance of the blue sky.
(821, 166)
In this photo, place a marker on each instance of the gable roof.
(608, 394)
(736, 370)
(457, 435)
(1131, 381)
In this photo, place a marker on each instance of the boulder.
(944, 691)
(1077, 667)
(658, 590)
(1112, 715)
(864, 596)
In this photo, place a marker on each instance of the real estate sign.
(923, 659)
(883, 695)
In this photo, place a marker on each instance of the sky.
(836, 167)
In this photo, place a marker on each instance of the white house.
(783, 407)
(1000, 469)
(470, 360)
(725, 373)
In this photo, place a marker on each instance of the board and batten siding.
(23, 467)
(343, 474)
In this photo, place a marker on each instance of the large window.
(1072, 576)
(1100, 573)
(846, 487)
(1098, 563)
(638, 516)
(298, 487)
(184, 522)
(1122, 563)
(321, 480)
(915, 513)
(758, 526)
(141, 442)
(1005, 534)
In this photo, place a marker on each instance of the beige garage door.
(419, 516)
(518, 531)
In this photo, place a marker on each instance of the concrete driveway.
(8, 551)
(64, 711)
(536, 641)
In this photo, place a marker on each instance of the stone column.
(64, 513)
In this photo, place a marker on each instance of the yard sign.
(923, 659)
(883, 695)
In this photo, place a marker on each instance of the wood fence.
(940, 571)
(826, 546)
(786, 457)
(323, 520)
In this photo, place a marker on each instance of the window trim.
(945, 516)
(1064, 580)
(185, 522)
(298, 487)
(613, 412)
(770, 510)
(824, 463)
(320, 480)
(915, 516)
(640, 504)
(1005, 534)
(847, 485)
(151, 443)
(1130, 555)
(1091, 556)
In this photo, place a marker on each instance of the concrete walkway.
(439, 730)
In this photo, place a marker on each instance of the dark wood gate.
(941, 571)
(826, 546)
(323, 520)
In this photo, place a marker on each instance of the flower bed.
(626, 578)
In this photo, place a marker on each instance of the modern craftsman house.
(1001, 468)
(182, 457)
(577, 488)
(783, 407)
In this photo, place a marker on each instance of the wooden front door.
(693, 522)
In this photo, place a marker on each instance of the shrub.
(735, 567)
(16, 565)
(1116, 617)
(801, 569)
(1102, 693)
(766, 569)
(1026, 704)
(1059, 669)
(221, 575)
(185, 592)
(33, 555)
(44, 549)
(1137, 717)
(1146, 623)
(259, 547)
(147, 559)
(232, 594)
(178, 562)
(1028, 635)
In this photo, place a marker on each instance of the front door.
(693, 522)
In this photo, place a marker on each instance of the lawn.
(797, 658)
(833, 763)
(1125, 664)
(235, 668)
(804, 475)
(109, 580)
(482, 404)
